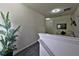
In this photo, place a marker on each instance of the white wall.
(30, 21)
(49, 25)
(52, 23)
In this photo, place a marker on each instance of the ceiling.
(45, 8)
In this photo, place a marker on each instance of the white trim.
(24, 48)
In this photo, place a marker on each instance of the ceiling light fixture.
(47, 18)
(56, 10)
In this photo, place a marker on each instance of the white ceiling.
(45, 8)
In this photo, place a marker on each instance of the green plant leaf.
(2, 26)
(9, 45)
(2, 15)
(2, 41)
(13, 38)
(6, 41)
(10, 32)
(16, 29)
(7, 17)
(9, 24)
(2, 32)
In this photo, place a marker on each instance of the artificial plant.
(8, 36)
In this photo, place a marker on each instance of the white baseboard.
(15, 52)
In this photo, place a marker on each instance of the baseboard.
(15, 53)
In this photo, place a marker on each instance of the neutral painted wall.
(30, 21)
(52, 24)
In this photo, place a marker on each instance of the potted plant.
(8, 36)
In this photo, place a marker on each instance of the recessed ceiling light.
(47, 18)
(56, 10)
